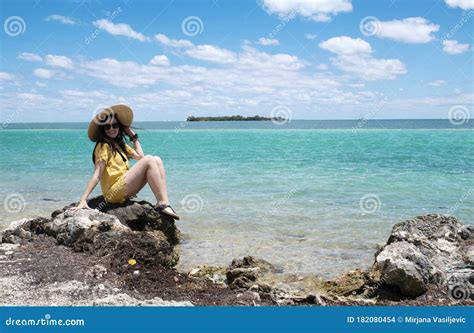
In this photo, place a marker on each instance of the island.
(235, 118)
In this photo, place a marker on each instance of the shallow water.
(289, 195)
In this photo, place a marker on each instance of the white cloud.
(29, 56)
(51, 60)
(444, 101)
(252, 58)
(58, 61)
(119, 29)
(310, 36)
(463, 4)
(62, 19)
(212, 53)
(127, 74)
(354, 56)
(177, 43)
(43, 73)
(4, 76)
(253, 73)
(268, 41)
(316, 10)
(346, 45)
(437, 83)
(410, 30)
(369, 68)
(246, 80)
(451, 46)
(160, 60)
(249, 58)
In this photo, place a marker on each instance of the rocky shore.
(125, 255)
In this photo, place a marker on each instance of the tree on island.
(234, 118)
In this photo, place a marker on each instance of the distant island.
(234, 118)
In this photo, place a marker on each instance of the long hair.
(118, 141)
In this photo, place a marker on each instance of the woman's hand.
(82, 204)
(129, 131)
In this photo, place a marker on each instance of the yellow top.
(112, 180)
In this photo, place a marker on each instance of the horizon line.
(220, 121)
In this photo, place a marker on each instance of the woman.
(110, 157)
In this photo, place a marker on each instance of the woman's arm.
(137, 146)
(99, 168)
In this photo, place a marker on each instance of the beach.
(127, 255)
(309, 196)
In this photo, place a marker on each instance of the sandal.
(163, 208)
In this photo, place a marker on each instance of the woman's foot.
(166, 209)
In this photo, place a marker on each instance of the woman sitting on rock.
(110, 156)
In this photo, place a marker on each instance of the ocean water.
(310, 196)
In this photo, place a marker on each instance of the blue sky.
(342, 59)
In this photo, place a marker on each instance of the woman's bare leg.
(161, 167)
(146, 170)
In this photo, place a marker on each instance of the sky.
(64, 61)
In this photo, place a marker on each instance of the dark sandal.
(162, 207)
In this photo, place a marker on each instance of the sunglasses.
(108, 126)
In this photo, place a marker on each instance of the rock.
(98, 271)
(347, 284)
(469, 254)
(421, 251)
(21, 231)
(126, 300)
(252, 262)
(132, 230)
(212, 273)
(310, 299)
(8, 247)
(137, 215)
(249, 297)
(249, 273)
(402, 264)
(69, 226)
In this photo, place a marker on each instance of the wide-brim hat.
(123, 113)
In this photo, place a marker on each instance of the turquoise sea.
(310, 196)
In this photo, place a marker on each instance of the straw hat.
(122, 112)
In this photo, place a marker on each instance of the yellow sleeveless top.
(112, 181)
